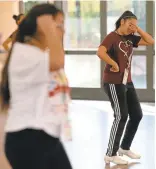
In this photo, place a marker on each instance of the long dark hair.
(126, 15)
(27, 28)
(17, 17)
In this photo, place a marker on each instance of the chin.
(129, 33)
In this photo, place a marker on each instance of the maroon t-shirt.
(119, 48)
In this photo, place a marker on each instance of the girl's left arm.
(146, 39)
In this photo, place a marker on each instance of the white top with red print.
(39, 98)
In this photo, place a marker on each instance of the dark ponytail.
(125, 15)
(4, 86)
(26, 30)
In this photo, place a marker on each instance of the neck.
(36, 43)
(119, 31)
(39, 39)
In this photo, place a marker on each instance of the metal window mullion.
(70, 52)
(103, 31)
(21, 7)
(149, 28)
(140, 53)
(59, 4)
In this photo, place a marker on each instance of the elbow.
(56, 66)
(98, 54)
(5, 45)
(101, 56)
(152, 42)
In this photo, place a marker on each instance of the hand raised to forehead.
(133, 28)
(46, 23)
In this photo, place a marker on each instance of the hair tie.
(129, 17)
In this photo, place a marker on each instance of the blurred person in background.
(0, 42)
(18, 19)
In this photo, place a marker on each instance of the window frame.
(145, 95)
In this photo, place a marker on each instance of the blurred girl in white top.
(35, 92)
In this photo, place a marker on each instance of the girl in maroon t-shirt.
(117, 51)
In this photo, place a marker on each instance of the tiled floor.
(91, 123)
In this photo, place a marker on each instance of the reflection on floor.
(91, 123)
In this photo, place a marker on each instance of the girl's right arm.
(56, 50)
(102, 53)
(49, 28)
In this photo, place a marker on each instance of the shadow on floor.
(129, 166)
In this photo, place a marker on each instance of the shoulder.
(25, 58)
(26, 50)
(109, 40)
(24, 54)
(111, 35)
(27, 47)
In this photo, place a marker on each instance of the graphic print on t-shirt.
(127, 49)
(59, 91)
(59, 97)
(118, 47)
(58, 83)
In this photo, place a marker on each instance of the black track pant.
(124, 102)
(34, 149)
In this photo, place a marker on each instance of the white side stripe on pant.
(113, 128)
(116, 121)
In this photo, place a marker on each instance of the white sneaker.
(128, 153)
(115, 160)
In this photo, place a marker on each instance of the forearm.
(106, 58)
(5, 46)
(56, 50)
(145, 36)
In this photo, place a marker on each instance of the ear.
(122, 21)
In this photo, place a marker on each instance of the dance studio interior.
(87, 23)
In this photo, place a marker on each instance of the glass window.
(29, 4)
(154, 47)
(154, 24)
(139, 72)
(115, 9)
(51, 1)
(83, 71)
(154, 72)
(82, 24)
